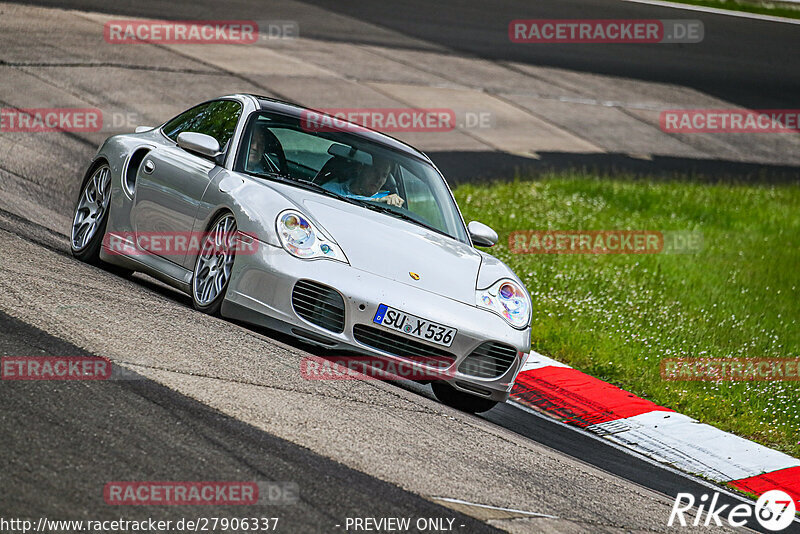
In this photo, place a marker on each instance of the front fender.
(254, 205)
(493, 270)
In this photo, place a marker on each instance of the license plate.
(414, 326)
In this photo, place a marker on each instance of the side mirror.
(142, 129)
(201, 144)
(482, 235)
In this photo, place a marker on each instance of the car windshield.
(345, 164)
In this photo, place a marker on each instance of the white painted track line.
(717, 11)
(537, 361)
(510, 510)
(694, 447)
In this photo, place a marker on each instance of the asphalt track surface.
(56, 441)
(744, 62)
(63, 441)
(750, 62)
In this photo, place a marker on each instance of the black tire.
(212, 306)
(89, 252)
(459, 400)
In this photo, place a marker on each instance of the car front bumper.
(260, 292)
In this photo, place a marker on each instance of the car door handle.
(149, 166)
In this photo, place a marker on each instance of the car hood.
(393, 248)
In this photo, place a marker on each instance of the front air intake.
(489, 360)
(401, 346)
(319, 304)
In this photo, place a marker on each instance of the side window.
(217, 119)
(273, 142)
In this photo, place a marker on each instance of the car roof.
(296, 111)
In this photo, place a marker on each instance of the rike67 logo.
(774, 510)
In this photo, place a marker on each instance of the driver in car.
(367, 184)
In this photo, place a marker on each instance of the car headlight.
(301, 239)
(508, 300)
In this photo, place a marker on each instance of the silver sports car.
(340, 236)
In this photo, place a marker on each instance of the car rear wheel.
(212, 269)
(459, 400)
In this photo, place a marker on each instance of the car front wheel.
(212, 269)
(91, 216)
(459, 400)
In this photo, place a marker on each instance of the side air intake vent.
(132, 169)
(318, 304)
(489, 360)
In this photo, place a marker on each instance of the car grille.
(489, 360)
(402, 347)
(319, 304)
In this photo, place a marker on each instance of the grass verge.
(776, 9)
(616, 316)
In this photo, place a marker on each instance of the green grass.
(617, 316)
(776, 9)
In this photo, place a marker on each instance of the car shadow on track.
(178, 297)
